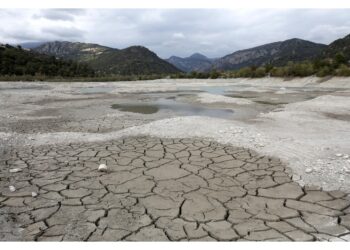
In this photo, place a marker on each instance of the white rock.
(15, 170)
(102, 168)
(34, 194)
(346, 156)
(308, 170)
(12, 188)
(296, 177)
(339, 155)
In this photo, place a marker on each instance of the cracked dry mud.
(162, 189)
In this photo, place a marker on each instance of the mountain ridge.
(275, 53)
(133, 60)
(140, 60)
(341, 45)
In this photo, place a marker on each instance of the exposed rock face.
(72, 51)
(277, 53)
(134, 60)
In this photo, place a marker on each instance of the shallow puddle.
(172, 105)
(136, 108)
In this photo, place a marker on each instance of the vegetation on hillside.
(134, 60)
(277, 54)
(14, 61)
(341, 45)
(337, 66)
(138, 63)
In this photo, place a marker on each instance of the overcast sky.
(181, 32)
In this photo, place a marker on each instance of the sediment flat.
(276, 168)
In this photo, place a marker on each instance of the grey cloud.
(213, 32)
(59, 14)
(63, 33)
(25, 36)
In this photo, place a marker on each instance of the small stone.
(296, 177)
(346, 156)
(308, 170)
(12, 188)
(34, 194)
(339, 155)
(15, 170)
(102, 168)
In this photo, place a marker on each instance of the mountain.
(73, 51)
(134, 60)
(341, 45)
(196, 62)
(17, 61)
(277, 53)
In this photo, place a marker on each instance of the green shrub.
(343, 70)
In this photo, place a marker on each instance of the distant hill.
(17, 61)
(277, 53)
(135, 60)
(196, 62)
(30, 45)
(138, 60)
(341, 45)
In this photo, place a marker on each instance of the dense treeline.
(15, 62)
(337, 66)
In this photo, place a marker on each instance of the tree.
(214, 74)
(245, 72)
(15, 61)
(260, 72)
(340, 59)
(343, 70)
(268, 67)
(324, 71)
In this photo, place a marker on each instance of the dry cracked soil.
(159, 189)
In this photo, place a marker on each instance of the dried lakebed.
(159, 190)
(227, 160)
